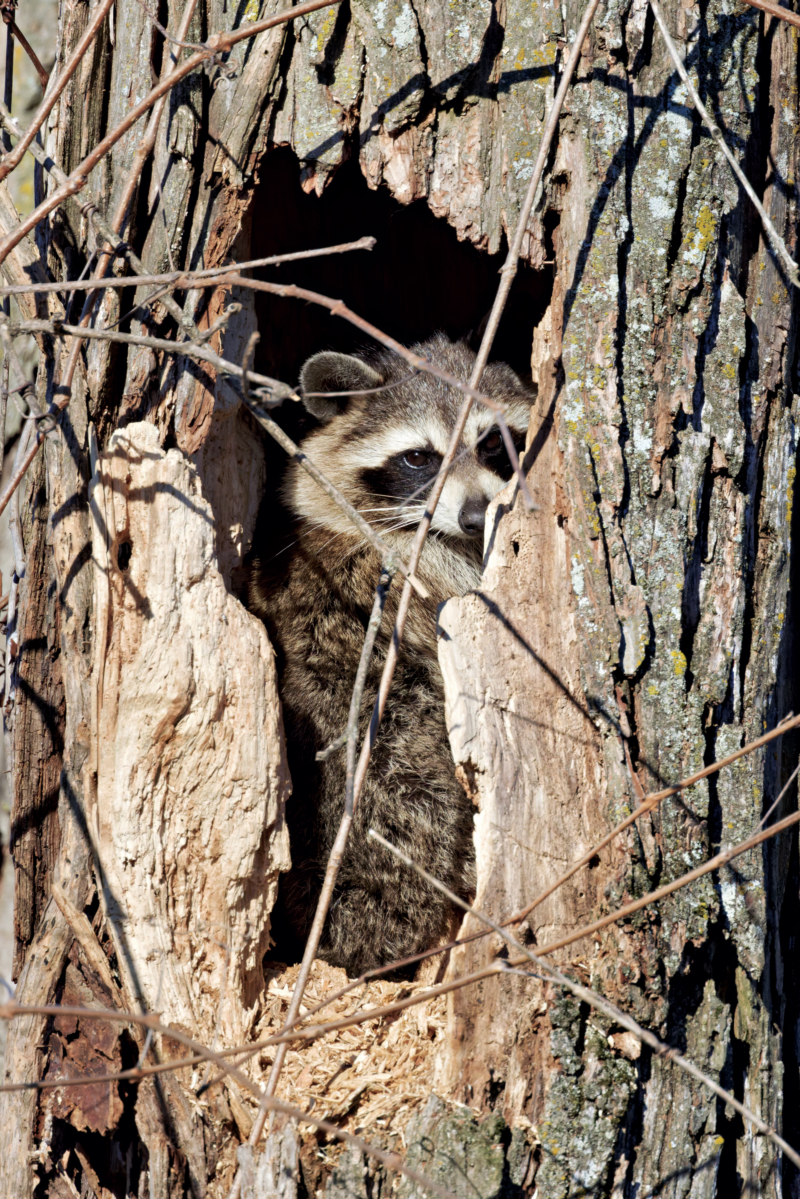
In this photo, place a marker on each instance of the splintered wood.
(370, 1077)
(186, 771)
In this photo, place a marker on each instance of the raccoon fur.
(315, 594)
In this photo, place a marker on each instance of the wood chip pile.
(367, 1078)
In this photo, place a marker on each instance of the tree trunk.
(636, 627)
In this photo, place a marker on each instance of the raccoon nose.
(472, 516)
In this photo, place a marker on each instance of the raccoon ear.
(329, 371)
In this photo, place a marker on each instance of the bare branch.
(188, 349)
(783, 14)
(31, 53)
(516, 465)
(720, 859)
(509, 268)
(338, 308)
(652, 801)
(777, 801)
(180, 280)
(135, 1074)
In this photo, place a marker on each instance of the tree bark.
(639, 625)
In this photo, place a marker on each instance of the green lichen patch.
(448, 1144)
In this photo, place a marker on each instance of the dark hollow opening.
(418, 280)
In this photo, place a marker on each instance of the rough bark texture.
(648, 603)
(663, 550)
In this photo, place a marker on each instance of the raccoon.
(315, 594)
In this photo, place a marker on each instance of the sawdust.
(365, 1079)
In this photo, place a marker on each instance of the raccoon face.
(383, 450)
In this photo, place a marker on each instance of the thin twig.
(188, 349)
(218, 43)
(350, 734)
(775, 802)
(600, 1004)
(516, 465)
(44, 75)
(652, 801)
(174, 41)
(636, 905)
(14, 158)
(135, 1074)
(783, 14)
(338, 308)
(774, 238)
(180, 280)
(356, 700)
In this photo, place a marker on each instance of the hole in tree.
(124, 551)
(418, 280)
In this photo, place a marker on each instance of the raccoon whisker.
(396, 508)
(284, 549)
(403, 513)
(403, 524)
(407, 513)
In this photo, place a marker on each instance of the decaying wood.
(186, 744)
(508, 728)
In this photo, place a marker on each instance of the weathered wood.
(38, 729)
(191, 779)
(528, 752)
(668, 479)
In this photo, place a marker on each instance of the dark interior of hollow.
(419, 279)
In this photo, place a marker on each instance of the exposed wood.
(191, 778)
(528, 752)
(38, 731)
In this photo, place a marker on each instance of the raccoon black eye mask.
(383, 450)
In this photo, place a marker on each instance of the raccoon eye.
(493, 442)
(417, 458)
